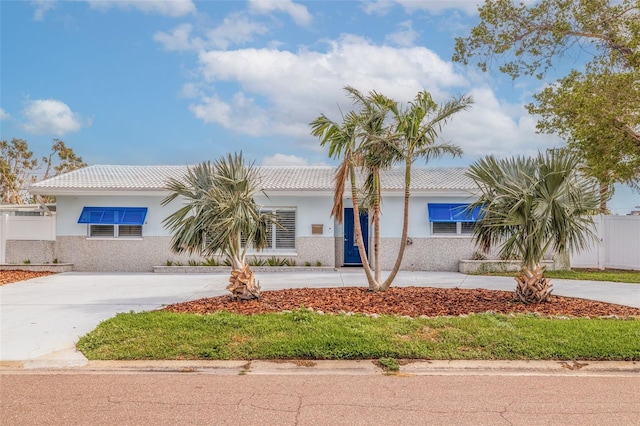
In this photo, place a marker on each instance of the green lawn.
(307, 335)
(616, 275)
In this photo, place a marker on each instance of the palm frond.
(532, 205)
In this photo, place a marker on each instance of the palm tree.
(343, 141)
(379, 135)
(220, 217)
(418, 128)
(531, 206)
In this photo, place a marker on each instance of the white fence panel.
(622, 242)
(594, 256)
(618, 246)
(36, 228)
(32, 228)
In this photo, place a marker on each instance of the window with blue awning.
(113, 215)
(452, 212)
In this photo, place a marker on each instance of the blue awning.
(443, 212)
(113, 215)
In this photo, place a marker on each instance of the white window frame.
(115, 232)
(459, 231)
(275, 229)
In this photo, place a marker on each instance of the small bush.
(256, 261)
(276, 261)
(478, 255)
(212, 261)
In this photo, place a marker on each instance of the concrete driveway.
(43, 318)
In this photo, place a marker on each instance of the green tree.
(220, 216)
(374, 138)
(66, 161)
(20, 168)
(595, 110)
(531, 206)
(17, 164)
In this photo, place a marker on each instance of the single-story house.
(109, 218)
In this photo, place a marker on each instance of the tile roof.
(315, 178)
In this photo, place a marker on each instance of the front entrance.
(351, 253)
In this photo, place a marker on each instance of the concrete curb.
(331, 367)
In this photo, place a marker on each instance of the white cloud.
(50, 116)
(179, 39)
(437, 6)
(378, 7)
(190, 90)
(41, 8)
(289, 160)
(492, 126)
(298, 12)
(280, 92)
(172, 8)
(382, 7)
(3, 114)
(405, 36)
(235, 29)
(288, 90)
(284, 160)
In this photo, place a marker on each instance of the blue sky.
(179, 82)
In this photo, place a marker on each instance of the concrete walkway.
(43, 318)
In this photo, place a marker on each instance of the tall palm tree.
(343, 141)
(531, 206)
(378, 150)
(418, 127)
(220, 217)
(373, 139)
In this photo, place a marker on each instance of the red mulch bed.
(409, 301)
(7, 277)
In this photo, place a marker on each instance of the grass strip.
(618, 276)
(302, 334)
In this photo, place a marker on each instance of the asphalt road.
(68, 398)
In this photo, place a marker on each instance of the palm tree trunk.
(243, 285)
(376, 229)
(405, 225)
(242, 282)
(374, 285)
(532, 286)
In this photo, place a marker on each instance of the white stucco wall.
(309, 210)
(427, 252)
(419, 225)
(69, 209)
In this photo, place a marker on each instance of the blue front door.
(351, 254)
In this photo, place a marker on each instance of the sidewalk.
(42, 319)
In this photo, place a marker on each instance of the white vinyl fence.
(35, 228)
(618, 246)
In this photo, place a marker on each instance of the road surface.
(153, 398)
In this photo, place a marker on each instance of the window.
(452, 219)
(113, 222)
(282, 236)
(115, 231)
(285, 231)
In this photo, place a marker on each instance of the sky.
(181, 81)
